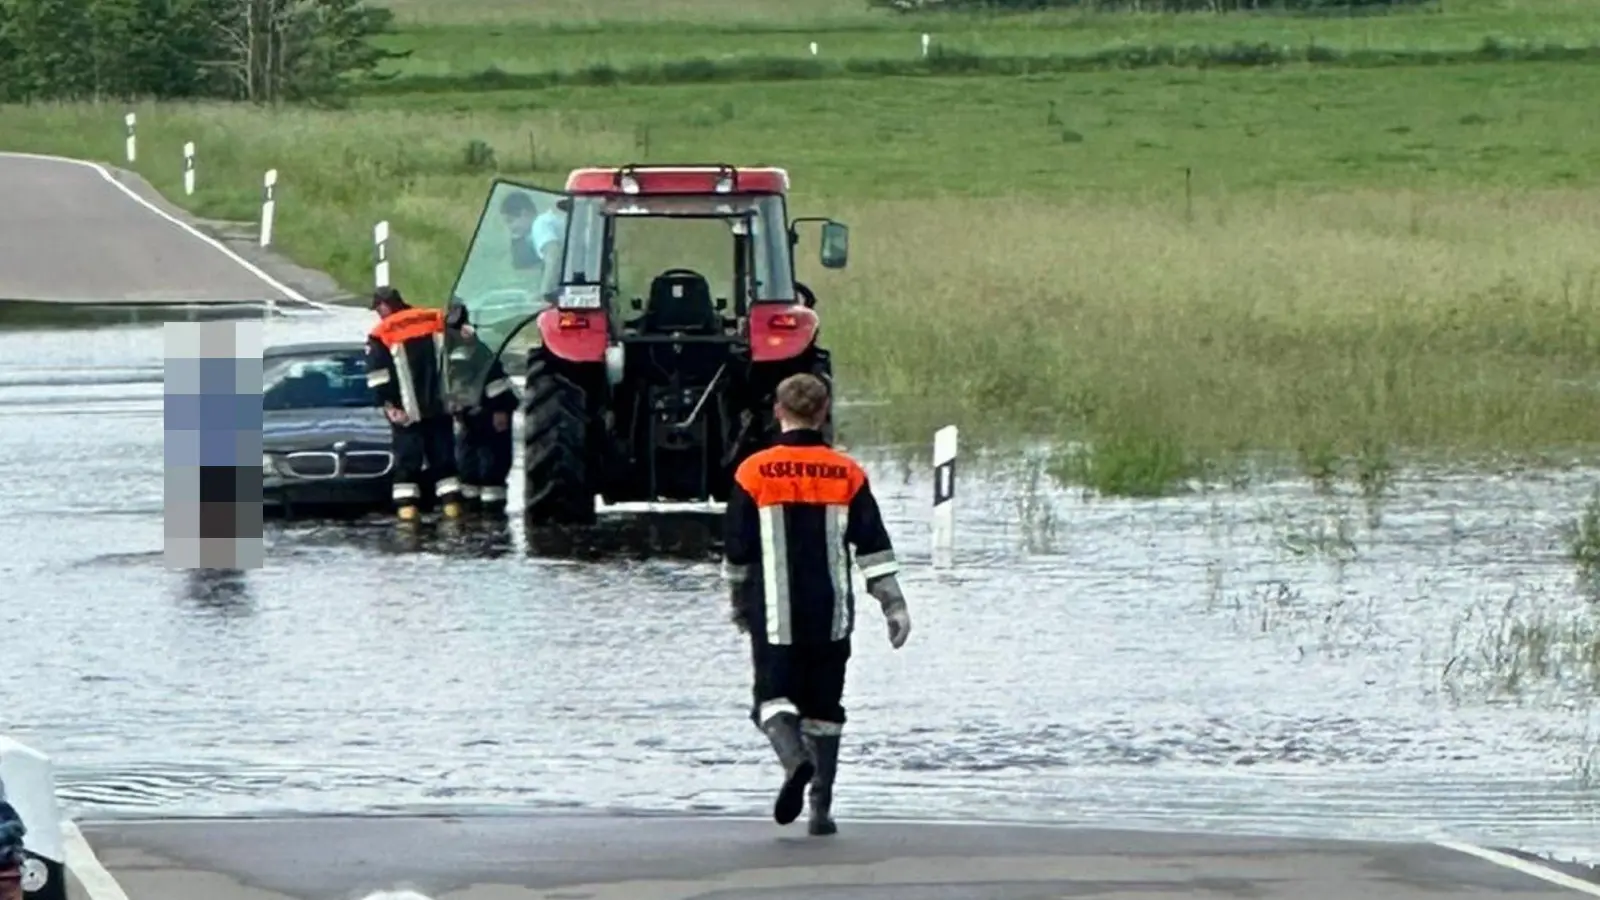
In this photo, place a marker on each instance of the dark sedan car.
(325, 442)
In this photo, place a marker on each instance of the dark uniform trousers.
(484, 452)
(796, 511)
(405, 367)
(805, 680)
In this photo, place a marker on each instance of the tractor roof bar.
(723, 170)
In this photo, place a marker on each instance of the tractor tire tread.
(555, 463)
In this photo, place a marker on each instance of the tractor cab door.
(512, 271)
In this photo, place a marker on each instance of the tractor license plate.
(580, 296)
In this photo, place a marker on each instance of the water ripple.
(1276, 661)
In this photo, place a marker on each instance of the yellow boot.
(407, 513)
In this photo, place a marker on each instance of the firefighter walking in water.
(483, 402)
(405, 367)
(796, 511)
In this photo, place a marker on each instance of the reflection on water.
(678, 536)
(224, 592)
(1271, 661)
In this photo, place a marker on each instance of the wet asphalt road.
(603, 858)
(65, 236)
(1196, 663)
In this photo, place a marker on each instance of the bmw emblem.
(341, 446)
(34, 876)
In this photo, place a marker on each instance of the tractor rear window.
(693, 232)
(647, 246)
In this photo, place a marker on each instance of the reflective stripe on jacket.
(796, 511)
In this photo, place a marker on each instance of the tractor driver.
(535, 236)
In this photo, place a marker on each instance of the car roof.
(312, 348)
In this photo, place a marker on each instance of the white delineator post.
(813, 48)
(28, 783)
(380, 254)
(133, 144)
(269, 205)
(925, 41)
(188, 168)
(944, 496)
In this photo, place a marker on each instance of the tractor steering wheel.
(806, 297)
(671, 272)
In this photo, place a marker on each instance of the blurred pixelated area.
(212, 417)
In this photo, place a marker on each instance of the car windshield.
(316, 381)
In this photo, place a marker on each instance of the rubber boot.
(825, 750)
(783, 730)
(494, 500)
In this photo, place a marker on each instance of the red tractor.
(664, 310)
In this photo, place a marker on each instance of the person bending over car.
(405, 367)
(796, 510)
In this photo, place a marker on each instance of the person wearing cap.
(483, 401)
(405, 368)
(796, 511)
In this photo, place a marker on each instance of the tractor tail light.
(784, 322)
(571, 321)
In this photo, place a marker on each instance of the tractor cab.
(666, 297)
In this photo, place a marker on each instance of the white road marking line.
(1526, 867)
(86, 867)
(248, 266)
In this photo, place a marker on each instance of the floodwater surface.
(1266, 660)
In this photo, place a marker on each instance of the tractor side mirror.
(835, 245)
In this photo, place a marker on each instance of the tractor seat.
(681, 301)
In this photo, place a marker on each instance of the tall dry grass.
(1458, 321)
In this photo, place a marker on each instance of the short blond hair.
(804, 398)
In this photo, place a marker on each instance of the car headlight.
(269, 464)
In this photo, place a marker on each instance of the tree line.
(1333, 7)
(263, 51)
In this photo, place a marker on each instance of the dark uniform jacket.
(479, 381)
(405, 362)
(795, 511)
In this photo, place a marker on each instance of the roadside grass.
(946, 62)
(1581, 537)
(1364, 267)
(719, 40)
(638, 13)
(1532, 646)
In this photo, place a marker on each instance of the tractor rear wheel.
(555, 464)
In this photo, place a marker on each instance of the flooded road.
(1261, 661)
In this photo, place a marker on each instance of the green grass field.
(464, 39)
(1181, 264)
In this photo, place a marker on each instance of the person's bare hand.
(396, 415)
(502, 421)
